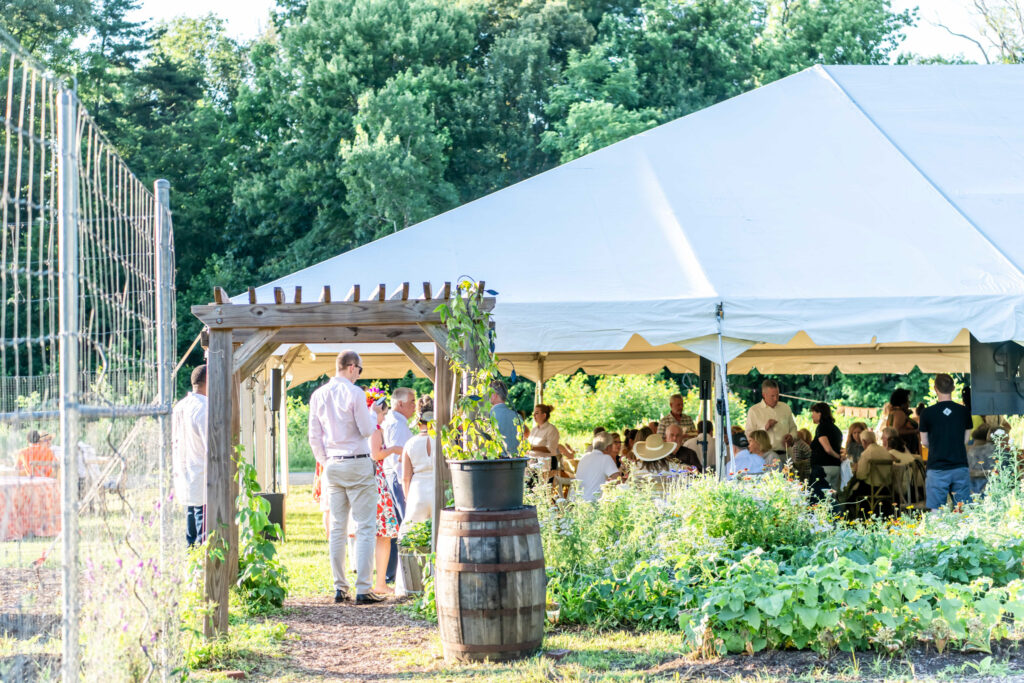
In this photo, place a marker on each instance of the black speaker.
(997, 378)
(276, 515)
(705, 379)
(275, 389)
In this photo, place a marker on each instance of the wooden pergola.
(242, 337)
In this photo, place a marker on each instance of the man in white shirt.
(339, 425)
(743, 461)
(597, 467)
(705, 429)
(188, 455)
(773, 417)
(396, 432)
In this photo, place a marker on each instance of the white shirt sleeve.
(316, 430)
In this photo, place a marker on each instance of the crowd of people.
(925, 457)
(375, 473)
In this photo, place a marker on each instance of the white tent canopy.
(873, 210)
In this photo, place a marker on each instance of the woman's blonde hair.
(761, 437)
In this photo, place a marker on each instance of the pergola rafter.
(243, 336)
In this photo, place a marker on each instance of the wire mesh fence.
(90, 575)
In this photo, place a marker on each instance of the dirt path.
(345, 642)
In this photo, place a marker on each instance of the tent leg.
(538, 392)
(721, 432)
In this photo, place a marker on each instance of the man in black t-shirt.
(945, 428)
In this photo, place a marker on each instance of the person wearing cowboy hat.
(597, 467)
(743, 461)
(651, 454)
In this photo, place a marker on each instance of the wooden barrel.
(490, 584)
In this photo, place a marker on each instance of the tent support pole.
(723, 391)
(538, 392)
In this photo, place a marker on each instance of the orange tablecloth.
(28, 506)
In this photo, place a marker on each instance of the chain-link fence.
(90, 575)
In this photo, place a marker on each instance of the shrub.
(300, 455)
(262, 579)
(615, 402)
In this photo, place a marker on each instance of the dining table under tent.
(860, 217)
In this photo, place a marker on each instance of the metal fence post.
(164, 344)
(164, 277)
(67, 236)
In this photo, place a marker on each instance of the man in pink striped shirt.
(339, 425)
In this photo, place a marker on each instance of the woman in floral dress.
(387, 521)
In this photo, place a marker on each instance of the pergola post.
(259, 329)
(443, 382)
(220, 504)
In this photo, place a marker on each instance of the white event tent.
(866, 217)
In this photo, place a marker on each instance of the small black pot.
(482, 485)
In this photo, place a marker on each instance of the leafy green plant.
(418, 536)
(300, 454)
(752, 565)
(472, 433)
(262, 579)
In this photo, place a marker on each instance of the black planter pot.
(482, 485)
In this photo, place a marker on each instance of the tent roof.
(854, 205)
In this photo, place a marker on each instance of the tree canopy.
(347, 120)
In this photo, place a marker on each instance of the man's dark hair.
(705, 427)
(943, 384)
(199, 376)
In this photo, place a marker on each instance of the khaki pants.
(352, 486)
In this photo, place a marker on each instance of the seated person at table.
(853, 445)
(802, 454)
(743, 461)
(981, 457)
(759, 443)
(694, 444)
(652, 462)
(872, 453)
(675, 416)
(681, 455)
(597, 467)
(894, 443)
(37, 459)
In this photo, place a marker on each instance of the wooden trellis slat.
(353, 294)
(325, 295)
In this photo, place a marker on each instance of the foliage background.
(347, 120)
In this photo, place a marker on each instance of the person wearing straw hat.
(597, 467)
(651, 454)
(743, 461)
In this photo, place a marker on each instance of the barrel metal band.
(508, 647)
(499, 516)
(456, 612)
(451, 530)
(475, 568)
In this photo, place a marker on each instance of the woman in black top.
(828, 441)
